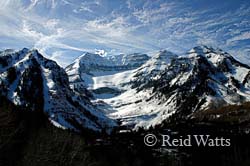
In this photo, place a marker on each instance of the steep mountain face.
(137, 90)
(134, 107)
(88, 68)
(204, 79)
(152, 68)
(167, 85)
(206, 75)
(131, 61)
(37, 84)
(115, 91)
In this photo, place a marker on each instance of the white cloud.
(86, 6)
(121, 26)
(242, 36)
(52, 23)
(32, 4)
(29, 32)
(148, 15)
(117, 27)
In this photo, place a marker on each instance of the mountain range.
(38, 84)
(100, 93)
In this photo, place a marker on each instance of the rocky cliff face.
(142, 96)
(205, 78)
(167, 85)
(35, 83)
(86, 67)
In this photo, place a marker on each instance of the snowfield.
(163, 85)
(95, 92)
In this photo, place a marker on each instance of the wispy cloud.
(64, 29)
(242, 36)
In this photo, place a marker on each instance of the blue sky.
(64, 29)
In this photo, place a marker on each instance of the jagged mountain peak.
(164, 55)
(204, 78)
(140, 94)
(155, 65)
(204, 49)
(216, 57)
(35, 83)
(83, 71)
(92, 59)
(88, 55)
(165, 52)
(209, 52)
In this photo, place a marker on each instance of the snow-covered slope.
(152, 68)
(114, 90)
(205, 78)
(38, 84)
(133, 89)
(89, 70)
(167, 85)
(132, 106)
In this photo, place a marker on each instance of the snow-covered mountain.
(112, 85)
(86, 69)
(130, 106)
(138, 90)
(38, 84)
(203, 79)
(154, 66)
(131, 61)
(168, 84)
